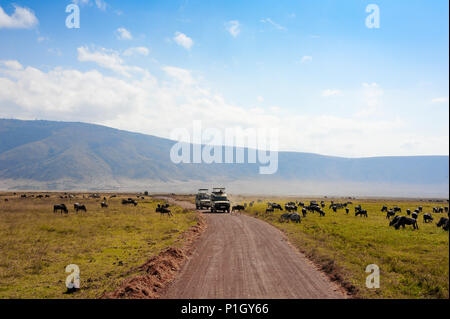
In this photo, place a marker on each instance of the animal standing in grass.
(163, 210)
(62, 208)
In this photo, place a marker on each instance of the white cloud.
(440, 100)
(22, 18)
(158, 105)
(183, 76)
(330, 92)
(123, 34)
(12, 64)
(306, 58)
(260, 99)
(183, 40)
(136, 51)
(233, 27)
(273, 23)
(108, 59)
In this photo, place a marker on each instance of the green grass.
(36, 245)
(413, 264)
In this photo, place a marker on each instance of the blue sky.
(311, 68)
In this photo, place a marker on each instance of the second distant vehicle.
(202, 199)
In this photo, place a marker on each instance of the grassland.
(36, 245)
(413, 264)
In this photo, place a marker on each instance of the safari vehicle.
(202, 200)
(219, 201)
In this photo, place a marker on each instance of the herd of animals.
(163, 209)
(293, 210)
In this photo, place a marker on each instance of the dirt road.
(242, 257)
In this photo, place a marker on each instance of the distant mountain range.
(79, 156)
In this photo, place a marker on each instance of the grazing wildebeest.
(304, 212)
(47, 196)
(415, 215)
(394, 220)
(301, 204)
(129, 201)
(403, 220)
(285, 217)
(408, 212)
(427, 218)
(23, 196)
(61, 207)
(441, 209)
(446, 209)
(103, 205)
(442, 222)
(347, 210)
(276, 206)
(361, 213)
(390, 213)
(420, 208)
(237, 208)
(435, 210)
(40, 196)
(163, 209)
(290, 207)
(384, 209)
(6, 199)
(78, 207)
(269, 209)
(321, 212)
(397, 209)
(295, 218)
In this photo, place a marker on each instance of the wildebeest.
(129, 201)
(276, 206)
(103, 205)
(290, 217)
(290, 207)
(414, 215)
(408, 212)
(321, 213)
(61, 207)
(427, 218)
(444, 223)
(163, 209)
(347, 210)
(361, 213)
(394, 220)
(390, 213)
(403, 220)
(6, 199)
(397, 209)
(269, 209)
(304, 212)
(78, 207)
(237, 208)
(384, 209)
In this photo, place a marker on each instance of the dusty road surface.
(242, 257)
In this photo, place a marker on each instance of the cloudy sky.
(312, 69)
